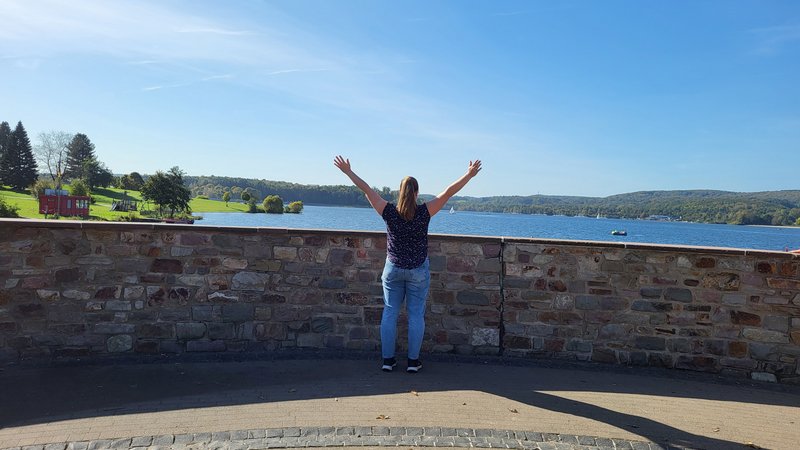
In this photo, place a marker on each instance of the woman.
(406, 275)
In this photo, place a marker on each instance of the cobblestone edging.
(357, 436)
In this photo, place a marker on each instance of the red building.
(63, 204)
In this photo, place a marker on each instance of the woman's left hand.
(342, 163)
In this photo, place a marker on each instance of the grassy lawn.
(101, 209)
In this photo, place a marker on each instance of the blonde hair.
(407, 201)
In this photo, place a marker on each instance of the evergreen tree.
(5, 140)
(80, 149)
(18, 164)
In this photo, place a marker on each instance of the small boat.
(452, 210)
(619, 232)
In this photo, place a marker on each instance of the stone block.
(322, 324)
(181, 251)
(120, 343)
(678, 295)
(235, 263)
(734, 299)
(587, 302)
(745, 318)
(563, 302)
(222, 296)
(285, 253)
(67, 275)
(472, 298)
(697, 363)
(221, 330)
(155, 330)
(114, 328)
(310, 340)
(48, 295)
(776, 323)
(759, 335)
(485, 336)
(118, 305)
(488, 266)
(190, 330)
(166, 266)
(205, 346)
(250, 281)
(648, 306)
(438, 263)
(722, 281)
(650, 292)
(764, 376)
(133, 292)
(650, 343)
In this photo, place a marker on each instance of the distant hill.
(710, 206)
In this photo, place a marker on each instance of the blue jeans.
(411, 285)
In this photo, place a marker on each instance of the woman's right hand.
(342, 163)
(474, 168)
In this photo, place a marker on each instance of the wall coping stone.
(117, 226)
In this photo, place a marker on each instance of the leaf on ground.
(716, 429)
(514, 411)
(415, 393)
(751, 445)
(382, 417)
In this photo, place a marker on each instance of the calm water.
(524, 225)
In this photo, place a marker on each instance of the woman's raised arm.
(377, 202)
(435, 205)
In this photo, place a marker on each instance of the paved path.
(324, 402)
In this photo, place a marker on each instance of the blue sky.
(555, 97)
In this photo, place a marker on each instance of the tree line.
(708, 206)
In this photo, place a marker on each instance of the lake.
(529, 226)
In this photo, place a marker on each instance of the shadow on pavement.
(34, 395)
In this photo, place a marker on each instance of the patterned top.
(407, 241)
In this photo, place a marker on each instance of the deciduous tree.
(51, 152)
(167, 192)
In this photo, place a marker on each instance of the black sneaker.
(414, 365)
(388, 364)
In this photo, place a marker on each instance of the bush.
(294, 207)
(7, 210)
(39, 187)
(251, 206)
(273, 204)
(79, 187)
(202, 197)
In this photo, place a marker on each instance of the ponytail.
(406, 203)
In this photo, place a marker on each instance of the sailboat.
(452, 210)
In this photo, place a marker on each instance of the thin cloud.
(218, 77)
(219, 31)
(772, 40)
(166, 86)
(280, 72)
(511, 13)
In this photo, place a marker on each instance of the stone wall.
(88, 289)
